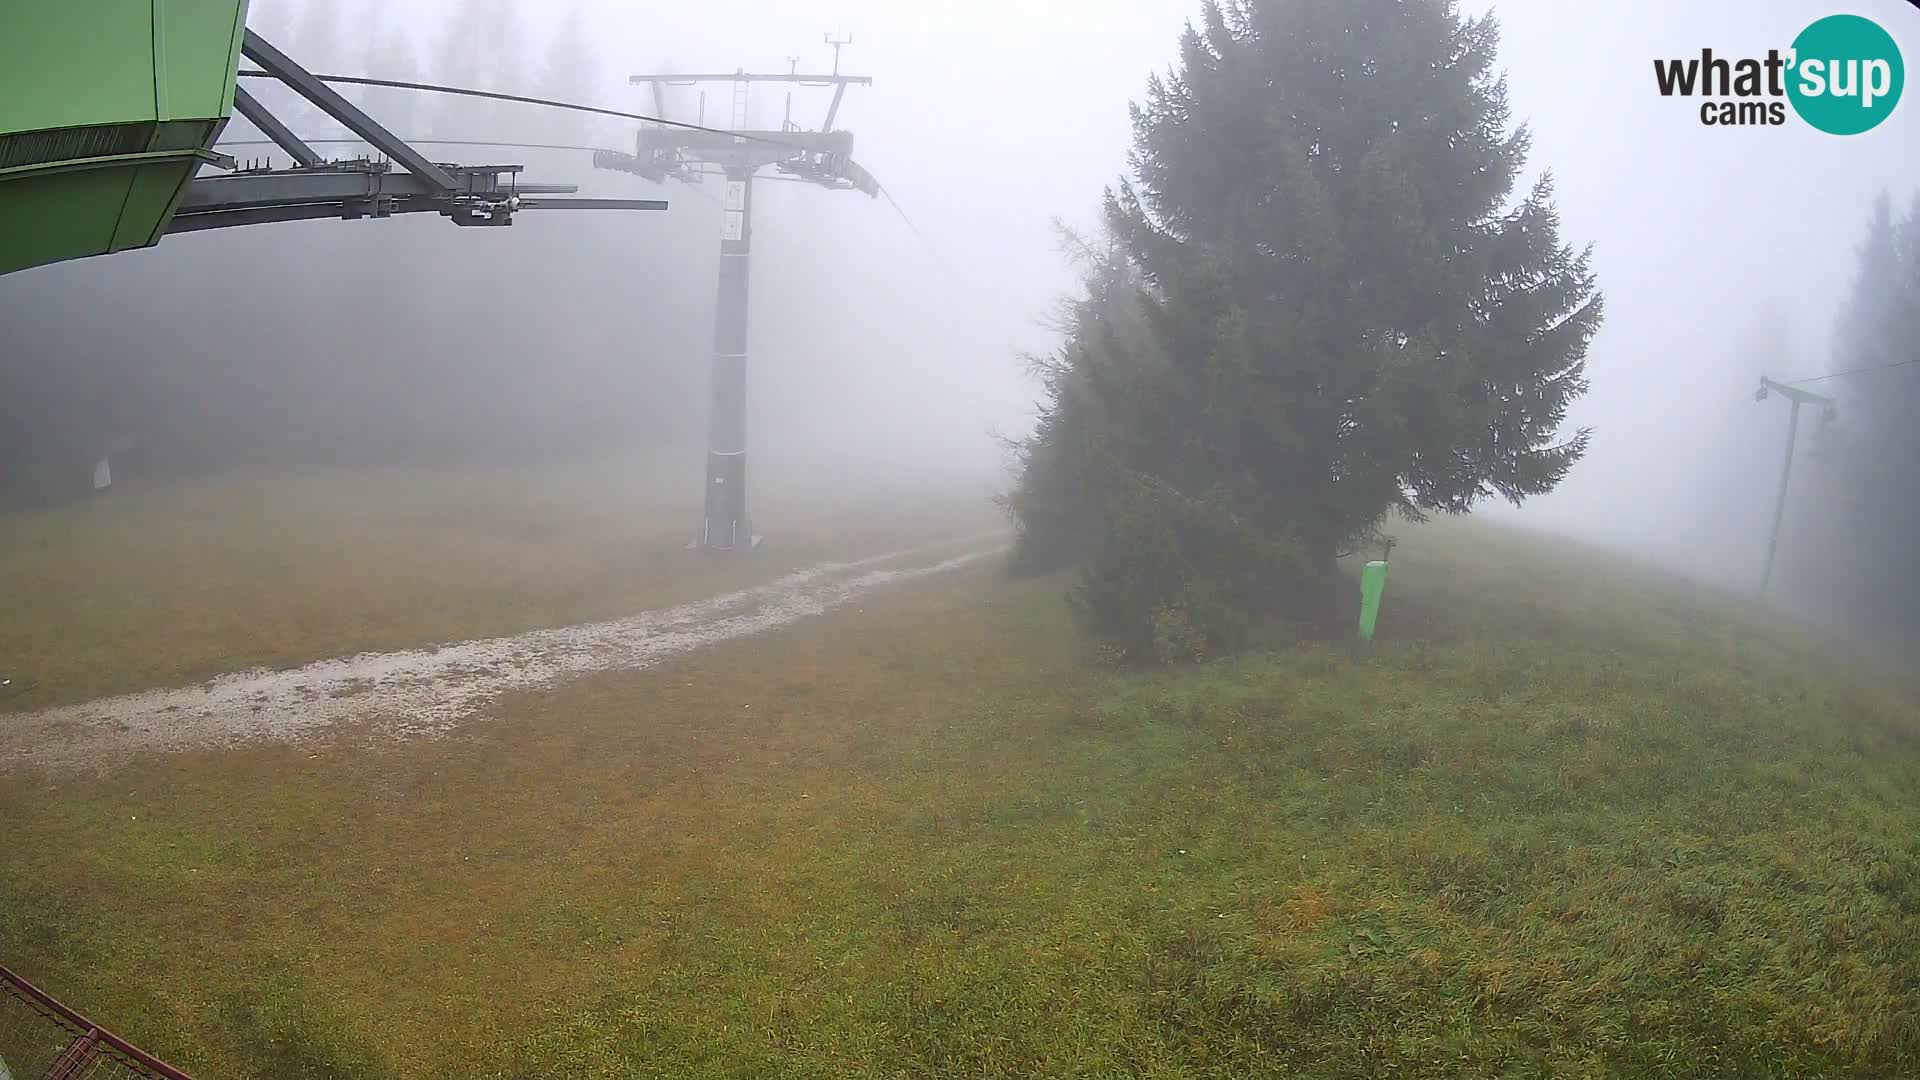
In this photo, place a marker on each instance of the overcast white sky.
(988, 119)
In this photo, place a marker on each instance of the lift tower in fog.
(1799, 397)
(822, 157)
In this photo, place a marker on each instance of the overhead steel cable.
(550, 103)
(915, 229)
(1854, 371)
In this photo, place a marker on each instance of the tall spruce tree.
(1055, 506)
(1352, 311)
(572, 73)
(1863, 506)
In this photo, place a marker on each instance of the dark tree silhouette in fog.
(1351, 312)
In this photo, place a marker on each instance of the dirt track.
(425, 692)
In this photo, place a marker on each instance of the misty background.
(881, 351)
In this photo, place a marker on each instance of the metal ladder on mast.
(739, 105)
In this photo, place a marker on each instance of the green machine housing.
(109, 109)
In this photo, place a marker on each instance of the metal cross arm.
(1792, 393)
(487, 195)
(270, 126)
(543, 203)
(258, 50)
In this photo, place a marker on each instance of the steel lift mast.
(822, 157)
(1798, 397)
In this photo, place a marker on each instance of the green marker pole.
(1373, 583)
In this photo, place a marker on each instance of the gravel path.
(425, 692)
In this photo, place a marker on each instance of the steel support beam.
(232, 217)
(270, 126)
(272, 215)
(345, 184)
(833, 109)
(544, 203)
(244, 190)
(1780, 500)
(472, 195)
(302, 82)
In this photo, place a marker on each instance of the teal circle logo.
(1847, 75)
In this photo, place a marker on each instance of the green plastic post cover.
(1373, 583)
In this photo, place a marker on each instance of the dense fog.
(887, 342)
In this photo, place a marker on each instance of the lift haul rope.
(464, 91)
(1854, 371)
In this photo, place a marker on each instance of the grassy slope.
(169, 586)
(1576, 822)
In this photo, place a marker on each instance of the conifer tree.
(1350, 310)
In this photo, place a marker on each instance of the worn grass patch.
(168, 586)
(1596, 824)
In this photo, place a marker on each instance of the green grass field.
(1569, 818)
(168, 586)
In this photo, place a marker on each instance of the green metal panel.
(151, 196)
(76, 64)
(107, 109)
(63, 216)
(202, 51)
